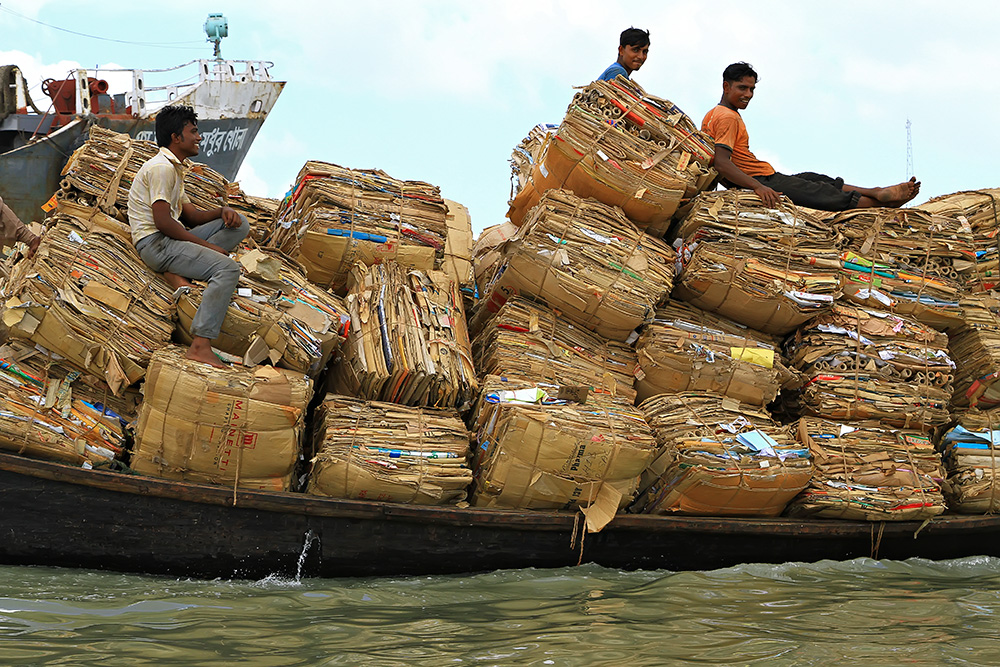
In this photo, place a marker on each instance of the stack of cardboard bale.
(978, 216)
(968, 444)
(389, 429)
(89, 301)
(970, 454)
(625, 148)
(875, 384)
(720, 457)
(903, 260)
(335, 217)
(402, 256)
(84, 317)
(768, 269)
(101, 171)
(555, 422)
(706, 378)
(87, 296)
(241, 427)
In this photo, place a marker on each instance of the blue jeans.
(190, 260)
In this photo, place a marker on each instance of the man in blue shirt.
(633, 47)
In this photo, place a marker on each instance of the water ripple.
(861, 612)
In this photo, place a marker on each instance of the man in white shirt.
(158, 211)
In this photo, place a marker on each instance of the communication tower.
(909, 150)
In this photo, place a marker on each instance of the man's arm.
(729, 171)
(174, 229)
(195, 216)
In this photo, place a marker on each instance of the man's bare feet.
(176, 281)
(897, 195)
(201, 350)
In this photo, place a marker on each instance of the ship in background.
(231, 97)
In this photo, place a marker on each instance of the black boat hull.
(58, 515)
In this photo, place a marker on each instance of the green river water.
(861, 612)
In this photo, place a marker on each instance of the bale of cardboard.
(719, 457)
(373, 450)
(770, 269)
(688, 349)
(240, 427)
(535, 450)
(87, 296)
(334, 217)
(625, 148)
(865, 471)
(585, 260)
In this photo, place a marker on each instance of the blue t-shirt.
(612, 71)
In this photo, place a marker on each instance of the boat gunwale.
(536, 520)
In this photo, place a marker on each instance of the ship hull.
(30, 175)
(231, 104)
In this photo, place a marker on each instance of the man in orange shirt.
(740, 168)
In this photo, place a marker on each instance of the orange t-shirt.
(727, 128)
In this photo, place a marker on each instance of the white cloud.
(441, 91)
(251, 183)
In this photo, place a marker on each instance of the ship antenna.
(216, 27)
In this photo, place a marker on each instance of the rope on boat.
(876, 540)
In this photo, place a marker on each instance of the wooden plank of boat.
(59, 515)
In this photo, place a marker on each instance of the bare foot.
(201, 350)
(176, 281)
(899, 194)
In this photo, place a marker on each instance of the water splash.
(310, 538)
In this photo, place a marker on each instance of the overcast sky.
(441, 91)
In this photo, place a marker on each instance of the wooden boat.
(59, 515)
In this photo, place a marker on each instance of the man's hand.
(767, 195)
(729, 171)
(230, 218)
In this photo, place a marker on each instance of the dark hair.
(171, 120)
(737, 71)
(634, 37)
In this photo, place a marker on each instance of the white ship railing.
(144, 98)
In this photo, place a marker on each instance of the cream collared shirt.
(162, 177)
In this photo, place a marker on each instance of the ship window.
(256, 106)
